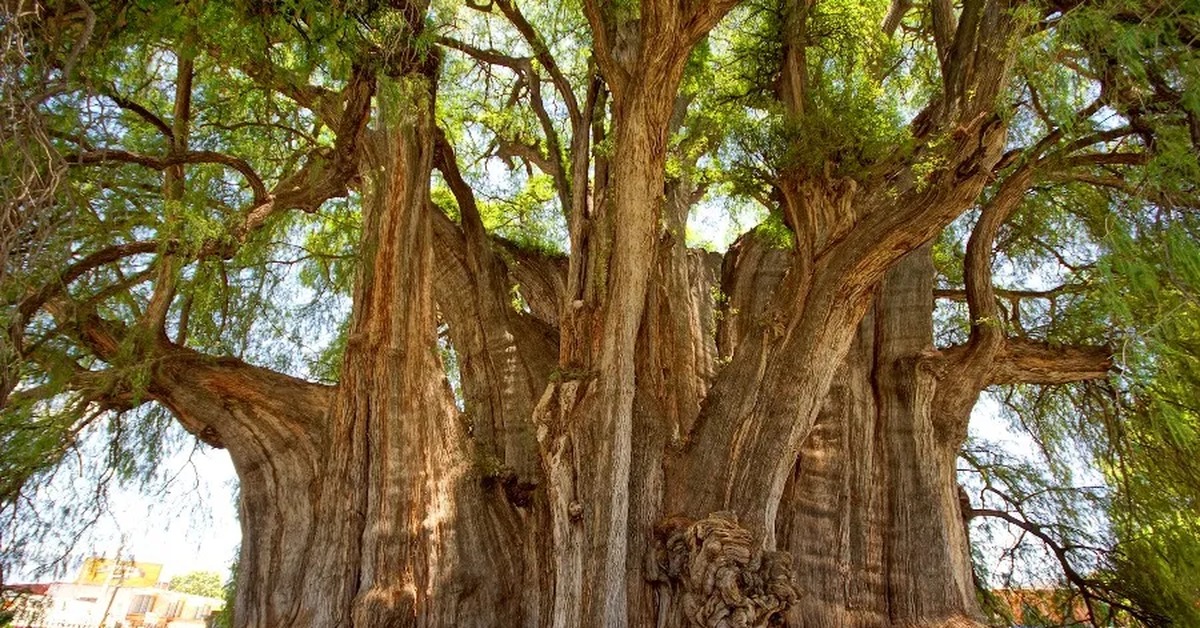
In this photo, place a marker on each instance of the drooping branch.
(326, 174)
(1091, 590)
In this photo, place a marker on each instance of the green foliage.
(1153, 280)
(206, 583)
(851, 113)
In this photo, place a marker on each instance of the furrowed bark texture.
(630, 452)
(649, 435)
(413, 523)
(366, 504)
(587, 418)
(270, 426)
(870, 513)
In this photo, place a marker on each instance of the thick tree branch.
(971, 369)
(1032, 362)
(174, 185)
(445, 160)
(895, 15)
(944, 25)
(962, 385)
(1025, 361)
(142, 113)
(603, 32)
(703, 15)
(327, 173)
(114, 157)
(530, 153)
(958, 59)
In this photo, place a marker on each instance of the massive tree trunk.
(650, 436)
(628, 494)
(368, 504)
(871, 512)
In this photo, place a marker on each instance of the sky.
(185, 522)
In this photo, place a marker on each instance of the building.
(108, 594)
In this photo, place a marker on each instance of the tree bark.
(364, 505)
(870, 512)
(636, 446)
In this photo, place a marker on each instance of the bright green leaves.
(1153, 290)
(206, 583)
(851, 111)
(854, 116)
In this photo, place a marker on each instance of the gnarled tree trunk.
(650, 436)
(871, 511)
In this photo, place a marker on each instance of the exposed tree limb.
(704, 15)
(603, 33)
(944, 25)
(1032, 362)
(114, 157)
(490, 56)
(143, 113)
(895, 15)
(542, 52)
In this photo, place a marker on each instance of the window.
(202, 612)
(141, 604)
(174, 610)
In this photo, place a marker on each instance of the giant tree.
(526, 400)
